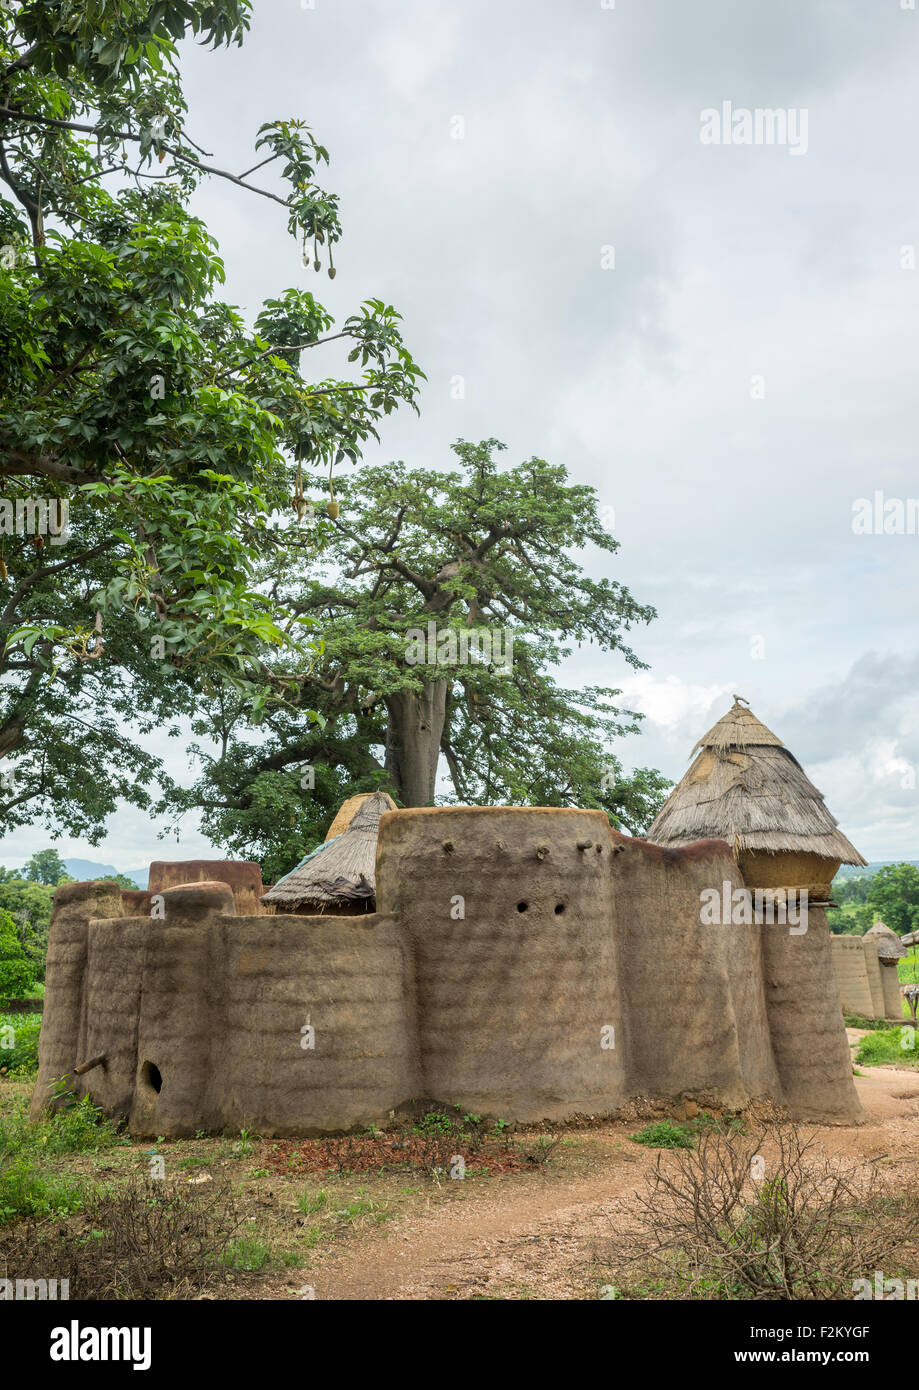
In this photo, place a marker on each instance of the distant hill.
(869, 870)
(81, 869)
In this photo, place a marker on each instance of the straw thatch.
(745, 787)
(349, 809)
(341, 873)
(889, 944)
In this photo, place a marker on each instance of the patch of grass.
(363, 1206)
(247, 1253)
(876, 1024)
(436, 1122)
(892, 1046)
(310, 1202)
(665, 1134)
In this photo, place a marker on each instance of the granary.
(745, 787)
(339, 876)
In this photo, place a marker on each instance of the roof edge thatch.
(746, 788)
(341, 869)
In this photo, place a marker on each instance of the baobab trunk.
(416, 724)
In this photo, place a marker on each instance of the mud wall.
(696, 1016)
(523, 962)
(873, 967)
(806, 1024)
(242, 877)
(63, 1027)
(508, 916)
(203, 1017)
(851, 976)
(890, 985)
(866, 985)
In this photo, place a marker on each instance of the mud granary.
(524, 962)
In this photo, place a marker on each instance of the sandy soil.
(532, 1238)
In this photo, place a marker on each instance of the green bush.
(17, 972)
(19, 1035)
(28, 1189)
(30, 1184)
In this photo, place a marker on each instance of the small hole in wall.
(150, 1074)
(522, 907)
(559, 909)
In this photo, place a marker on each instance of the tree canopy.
(471, 554)
(154, 448)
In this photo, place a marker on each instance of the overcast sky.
(731, 385)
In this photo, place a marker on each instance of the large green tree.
(420, 557)
(174, 440)
(893, 895)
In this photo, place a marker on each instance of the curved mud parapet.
(693, 993)
(508, 913)
(112, 1007)
(299, 1025)
(243, 877)
(319, 1031)
(179, 1022)
(62, 1037)
(806, 1024)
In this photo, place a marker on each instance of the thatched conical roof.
(340, 870)
(745, 787)
(888, 943)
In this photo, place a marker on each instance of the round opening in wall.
(522, 907)
(150, 1075)
(559, 909)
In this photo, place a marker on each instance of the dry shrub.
(147, 1239)
(768, 1215)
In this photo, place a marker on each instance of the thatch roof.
(340, 870)
(888, 943)
(349, 809)
(745, 787)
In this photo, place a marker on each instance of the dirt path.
(530, 1237)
